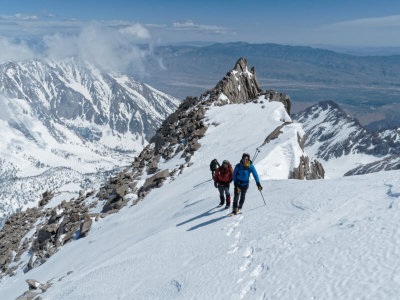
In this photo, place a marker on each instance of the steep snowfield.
(324, 239)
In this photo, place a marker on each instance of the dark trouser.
(243, 190)
(224, 189)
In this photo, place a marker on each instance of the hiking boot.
(220, 204)
(227, 205)
(235, 211)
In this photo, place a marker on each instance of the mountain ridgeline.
(172, 151)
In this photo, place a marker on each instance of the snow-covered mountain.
(343, 144)
(154, 231)
(199, 130)
(67, 125)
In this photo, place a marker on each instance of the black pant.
(224, 189)
(243, 190)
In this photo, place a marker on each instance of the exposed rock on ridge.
(308, 170)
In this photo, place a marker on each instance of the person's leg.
(243, 196)
(221, 190)
(228, 196)
(235, 198)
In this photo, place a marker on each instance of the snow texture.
(320, 239)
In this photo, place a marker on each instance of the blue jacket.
(241, 174)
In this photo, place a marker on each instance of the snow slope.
(320, 239)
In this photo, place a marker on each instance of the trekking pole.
(255, 154)
(263, 198)
(202, 183)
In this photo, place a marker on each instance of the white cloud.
(26, 17)
(111, 48)
(190, 25)
(136, 30)
(14, 51)
(371, 32)
(381, 22)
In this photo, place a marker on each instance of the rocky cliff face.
(176, 140)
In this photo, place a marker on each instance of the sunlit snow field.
(323, 239)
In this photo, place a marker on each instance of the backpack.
(214, 165)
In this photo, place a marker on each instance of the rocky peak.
(239, 85)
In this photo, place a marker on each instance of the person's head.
(246, 159)
(225, 164)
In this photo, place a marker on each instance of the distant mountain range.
(367, 86)
(68, 124)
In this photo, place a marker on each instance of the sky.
(62, 28)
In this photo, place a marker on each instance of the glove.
(238, 190)
(259, 186)
(215, 184)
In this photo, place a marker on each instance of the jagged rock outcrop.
(239, 85)
(46, 197)
(12, 237)
(35, 289)
(307, 170)
(274, 134)
(59, 225)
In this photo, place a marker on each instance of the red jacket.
(222, 176)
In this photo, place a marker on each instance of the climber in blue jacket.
(241, 176)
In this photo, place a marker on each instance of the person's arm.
(216, 177)
(234, 173)
(254, 172)
(230, 174)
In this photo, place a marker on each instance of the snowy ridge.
(71, 116)
(158, 195)
(337, 233)
(341, 142)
